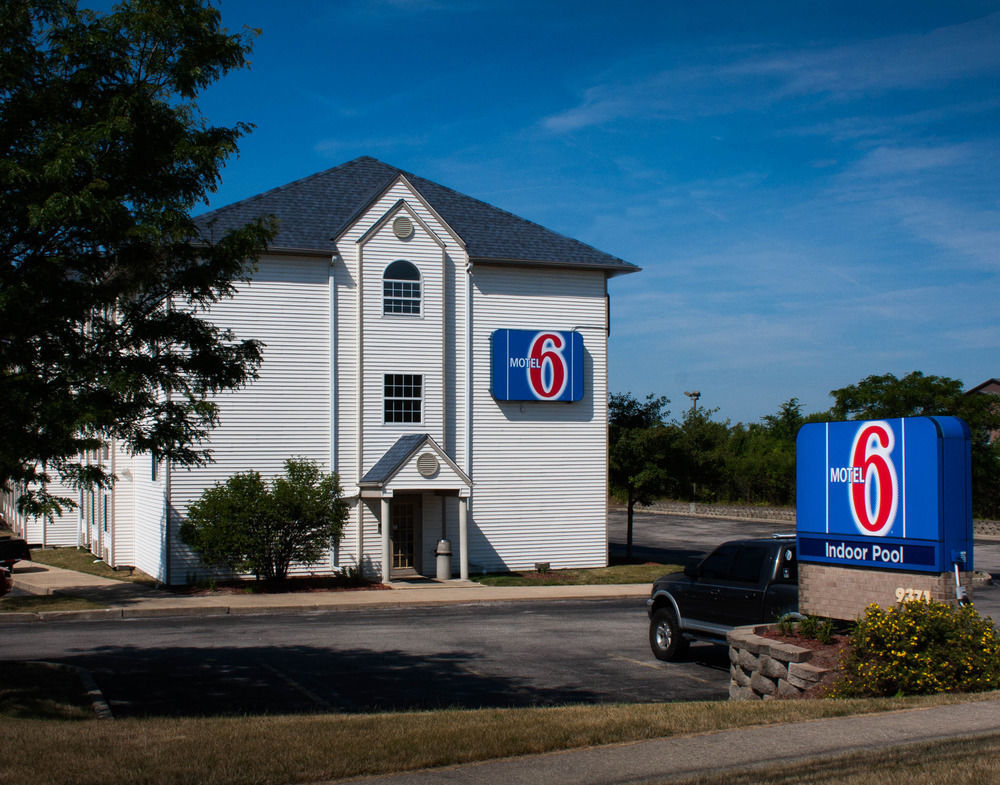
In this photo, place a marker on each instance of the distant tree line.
(701, 457)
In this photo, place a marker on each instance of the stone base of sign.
(836, 592)
(762, 668)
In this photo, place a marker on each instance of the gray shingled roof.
(394, 457)
(317, 208)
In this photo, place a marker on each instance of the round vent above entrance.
(402, 226)
(427, 465)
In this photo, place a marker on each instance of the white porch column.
(463, 538)
(386, 541)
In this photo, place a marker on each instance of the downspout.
(444, 351)
(331, 334)
(359, 401)
(167, 561)
(463, 508)
(166, 516)
(112, 547)
(332, 328)
(468, 369)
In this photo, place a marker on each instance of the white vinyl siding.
(122, 546)
(402, 345)
(285, 413)
(150, 511)
(430, 344)
(61, 530)
(539, 469)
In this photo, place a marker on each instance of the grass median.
(290, 749)
(48, 602)
(615, 574)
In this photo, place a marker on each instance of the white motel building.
(446, 358)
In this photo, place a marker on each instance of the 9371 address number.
(908, 595)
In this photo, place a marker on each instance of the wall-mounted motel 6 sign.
(536, 365)
(890, 494)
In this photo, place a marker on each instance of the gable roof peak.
(314, 209)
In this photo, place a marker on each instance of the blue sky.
(810, 188)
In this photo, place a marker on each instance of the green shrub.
(919, 648)
(816, 628)
(248, 525)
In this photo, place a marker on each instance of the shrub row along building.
(448, 359)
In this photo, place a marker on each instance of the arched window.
(401, 288)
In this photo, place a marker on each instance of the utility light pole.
(694, 396)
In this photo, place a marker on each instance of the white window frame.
(402, 296)
(402, 399)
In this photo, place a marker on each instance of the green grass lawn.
(617, 573)
(36, 603)
(82, 560)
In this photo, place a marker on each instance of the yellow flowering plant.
(919, 648)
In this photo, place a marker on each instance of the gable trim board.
(517, 482)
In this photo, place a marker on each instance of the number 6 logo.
(547, 368)
(874, 500)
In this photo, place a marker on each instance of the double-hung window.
(401, 288)
(403, 397)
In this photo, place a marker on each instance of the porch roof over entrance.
(414, 462)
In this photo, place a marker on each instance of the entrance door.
(405, 516)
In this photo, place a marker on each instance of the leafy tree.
(105, 278)
(917, 395)
(760, 457)
(639, 446)
(701, 443)
(247, 525)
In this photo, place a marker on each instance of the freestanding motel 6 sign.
(886, 494)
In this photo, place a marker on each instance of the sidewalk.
(130, 600)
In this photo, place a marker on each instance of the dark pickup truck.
(741, 582)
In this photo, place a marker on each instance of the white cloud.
(903, 62)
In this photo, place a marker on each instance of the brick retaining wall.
(763, 668)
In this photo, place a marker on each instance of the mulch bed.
(292, 585)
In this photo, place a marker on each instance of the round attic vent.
(427, 465)
(402, 226)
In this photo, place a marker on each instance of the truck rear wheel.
(665, 635)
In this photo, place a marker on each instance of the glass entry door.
(405, 516)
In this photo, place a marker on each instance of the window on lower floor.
(403, 397)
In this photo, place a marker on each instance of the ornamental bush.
(248, 525)
(919, 648)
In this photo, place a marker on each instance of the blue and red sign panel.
(537, 365)
(893, 494)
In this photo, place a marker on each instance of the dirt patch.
(293, 585)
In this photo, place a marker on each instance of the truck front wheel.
(665, 635)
